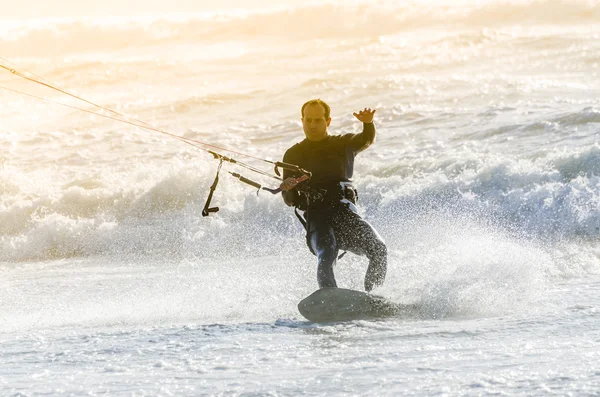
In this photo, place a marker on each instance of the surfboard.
(340, 304)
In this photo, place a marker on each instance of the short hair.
(317, 101)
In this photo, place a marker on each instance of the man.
(328, 198)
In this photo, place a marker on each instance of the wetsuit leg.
(358, 236)
(322, 240)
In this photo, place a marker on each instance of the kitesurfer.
(328, 197)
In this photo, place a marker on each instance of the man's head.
(315, 119)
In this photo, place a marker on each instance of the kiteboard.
(340, 304)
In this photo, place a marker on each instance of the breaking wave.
(329, 20)
(557, 200)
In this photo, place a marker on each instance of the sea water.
(484, 182)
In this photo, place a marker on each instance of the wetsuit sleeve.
(290, 197)
(359, 142)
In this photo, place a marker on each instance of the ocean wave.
(587, 115)
(555, 198)
(185, 105)
(62, 36)
(581, 165)
(560, 126)
(101, 215)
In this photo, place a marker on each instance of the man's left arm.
(289, 194)
(359, 142)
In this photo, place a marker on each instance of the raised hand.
(365, 115)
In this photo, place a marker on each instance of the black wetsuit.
(332, 222)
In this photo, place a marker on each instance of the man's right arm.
(359, 142)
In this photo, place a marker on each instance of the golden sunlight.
(67, 8)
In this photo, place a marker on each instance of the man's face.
(314, 122)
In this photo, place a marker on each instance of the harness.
(343, 192)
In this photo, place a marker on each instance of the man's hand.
(290, 183)
(366, 115)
